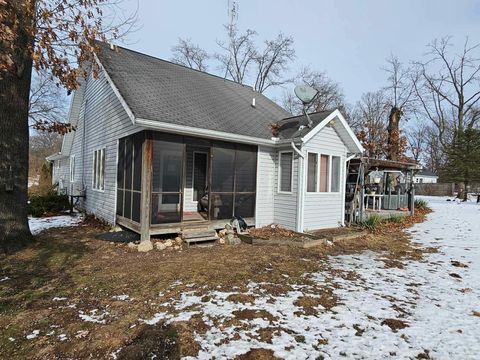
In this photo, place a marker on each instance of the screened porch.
(167, 183)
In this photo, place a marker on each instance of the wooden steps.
(199, 235)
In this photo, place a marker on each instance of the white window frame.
(317, 172)
(72, 168)
(279, 173)
(98, 177)
(330, 174)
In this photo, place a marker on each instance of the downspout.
(300, 187)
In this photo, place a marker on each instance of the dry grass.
(72, 263)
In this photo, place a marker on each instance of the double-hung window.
(323, 173)
(285, 171)
(98, 181)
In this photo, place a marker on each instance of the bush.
(395, 218)
(372, 223)
(39, 205)
(421, 204)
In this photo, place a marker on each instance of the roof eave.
(205, 133)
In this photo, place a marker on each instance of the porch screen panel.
(129, 175)
(167, 180)
(233, 184)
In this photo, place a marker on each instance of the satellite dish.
(305, 93)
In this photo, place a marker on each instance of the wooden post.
(146, 197)
(412, 194)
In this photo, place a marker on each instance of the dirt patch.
(458, 264)
(476, 313)
(241, 298)
(273, 232)
(159, 341)
(395, 324)
(310, 304)
(257, 354)
(249, 314)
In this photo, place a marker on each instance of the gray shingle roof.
(159, 90)
(426, 172)
(290, 127)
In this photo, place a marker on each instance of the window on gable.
(312, 172)
(98, 182)
(285, 171)
(72, 168)
(324, 173)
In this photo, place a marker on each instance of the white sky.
(349, 39)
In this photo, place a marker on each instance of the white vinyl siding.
(102, 120)
(266, 185)
(98, 178)
(325, 209)
(285, 203)
(285, 171)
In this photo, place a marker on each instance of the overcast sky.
(349, 40)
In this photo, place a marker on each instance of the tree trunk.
(14, 136)
(393, 151)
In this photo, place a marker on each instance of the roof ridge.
(183, 66)
(302, 115)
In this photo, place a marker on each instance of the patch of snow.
(56, 298)
(122, 297)
(37, 225)
(33, 335)
(4, 279)
(62, 337)
(94, 317)
(114, 354)
(435, 306)
(11, 339)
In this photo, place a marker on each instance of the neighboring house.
(160, 148)
(425, 177)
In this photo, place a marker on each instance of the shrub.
(39, 205)
(372, 222)
(395, 218)
(421, 204)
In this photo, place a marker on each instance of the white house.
(425, 177)
(161, 148)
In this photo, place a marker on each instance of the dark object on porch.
(242, 224)
(124, 236)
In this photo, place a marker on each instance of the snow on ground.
(39, 224)
(436, 306)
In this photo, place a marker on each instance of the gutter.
(210, 134)
(300, 187)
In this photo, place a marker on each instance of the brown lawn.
(67, 274)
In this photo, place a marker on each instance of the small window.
(312, 172)
(335, 184)
(324, 173)
(285, 171)
(72, 168)
(98, 182)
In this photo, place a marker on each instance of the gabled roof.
(160, 91)
(296, 128)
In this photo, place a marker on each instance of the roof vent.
(253, 102)
(113, 47)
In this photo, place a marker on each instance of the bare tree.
(370, 114)
(238, 53)
(448, 88)
(47, 100)
(418, 136)
(330, 95)
(400, 97)
(272, 62)
(241, 60)
(189, 54)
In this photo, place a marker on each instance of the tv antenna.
(306, 94)
(232, 12)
